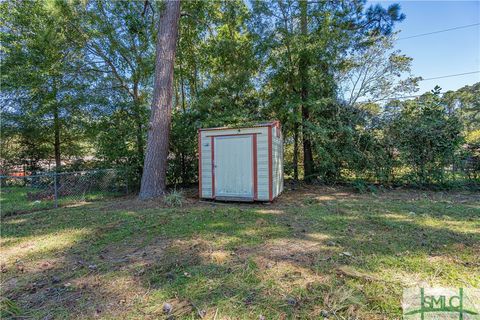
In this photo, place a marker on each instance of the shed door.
(233, 166)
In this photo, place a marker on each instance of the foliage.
(120, 51)
(174, 198)
(466, 103)
(303, 45)
(470, 155)
(77, 83)
(183, 149)
(376, 73)
(214, 79)
(43, 84)
(428, 138)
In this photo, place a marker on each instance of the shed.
(241, 164)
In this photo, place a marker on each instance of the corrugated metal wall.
(277, 161)
(234, 165)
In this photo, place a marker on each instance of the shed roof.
(261, 124)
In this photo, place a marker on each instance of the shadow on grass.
(244, 260)
(15, 200)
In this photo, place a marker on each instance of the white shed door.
(233, 165)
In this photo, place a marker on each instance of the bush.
(428, 138)
(362, 186)
(174, 198)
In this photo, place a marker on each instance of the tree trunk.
(155, 164)
(295, 150)
(303, 72)
(182, 86)
(140, 145)
(307, 148)
(56, 143)
(137, 117)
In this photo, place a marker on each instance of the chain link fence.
(20, 194)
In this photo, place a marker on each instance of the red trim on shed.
(267, 124)
(255, 178)
(199, 164)
(270, 165)
(213, 165)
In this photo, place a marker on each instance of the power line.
(439, 31)
(418, 95)
(451, 75)
(391, 98)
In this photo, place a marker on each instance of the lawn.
(313, 253)
(15, 199)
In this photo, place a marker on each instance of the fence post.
(55, 195)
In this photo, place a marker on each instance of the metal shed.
(241, 164)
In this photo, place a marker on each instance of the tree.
(304, 43)
(42, 78)
(155, 165)
(77, 78)
(466, 102)
(376, 73)
(427, 137)
(120, 53)
(303, 66)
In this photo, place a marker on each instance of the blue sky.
(445, 53)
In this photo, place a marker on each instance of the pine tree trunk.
(307, 148)
(155, 164)
(303, 72)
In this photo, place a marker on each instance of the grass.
(15, 200)
(313, 253)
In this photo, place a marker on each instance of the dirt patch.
(106, 295)
(88, 296)
(137, 253)
(299, 252)
(217, 256)
(95, 293)
(288, 263)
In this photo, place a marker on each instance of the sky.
(445, 53)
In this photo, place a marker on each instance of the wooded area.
(102, 106)
(78, 83)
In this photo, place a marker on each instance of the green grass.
(311, 252)
(15, 200)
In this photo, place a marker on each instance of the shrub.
(174, 198)
(428, 137)
(361, 186)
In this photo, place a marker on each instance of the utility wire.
(391, 98)
(418, 95)
(451, 75)
(399, 98)
(439, 31)
(433, 78)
